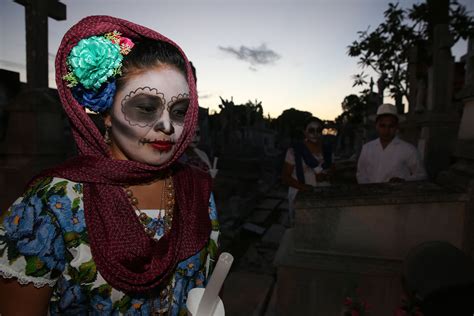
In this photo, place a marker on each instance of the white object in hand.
(213, 172)
(210, 303)
(318, 169)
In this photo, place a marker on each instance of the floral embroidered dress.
(44, 241)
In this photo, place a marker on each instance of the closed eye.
(146, 108)
(178, 110)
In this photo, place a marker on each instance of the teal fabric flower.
(93, 60)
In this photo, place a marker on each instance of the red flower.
(348, 301)
(400, 312)
(365, 305)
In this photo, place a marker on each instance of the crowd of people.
(387, 158)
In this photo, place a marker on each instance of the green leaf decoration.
(12, 251)
(72, 239)
(123, 304)
(3, 215)
(59, 188)
(203, 254)
(35, 186)
(104, 290)
(78, 188)
(87, 288)
(68, 256)
(85, 237)
(75, 204)
(73, 273)
(88, 272)
(181, 271)
(183, 312)
(71, 79)
(212, 248)
(35, 267)
(215, 224)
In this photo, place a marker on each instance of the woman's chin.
(162, 159)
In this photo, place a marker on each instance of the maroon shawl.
(125, 256)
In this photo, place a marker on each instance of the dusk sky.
(284, 53)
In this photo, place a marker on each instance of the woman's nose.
(164, 126)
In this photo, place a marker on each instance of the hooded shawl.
(125, 256)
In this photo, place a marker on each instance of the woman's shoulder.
(53, 185)
(49, 190)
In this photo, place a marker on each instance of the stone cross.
(36, 22)
(441, 72)
(469, 61)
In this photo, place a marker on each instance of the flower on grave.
(354, 306)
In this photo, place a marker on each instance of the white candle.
(210, 298)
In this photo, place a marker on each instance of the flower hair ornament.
(93, 65)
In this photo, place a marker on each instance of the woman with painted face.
(122, 228)
(307, 163)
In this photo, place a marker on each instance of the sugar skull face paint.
(144, 107)
(148, 114)
(313, 131)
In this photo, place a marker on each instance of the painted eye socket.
(146, 109)
(313, 130)
(142, 109)
(178, 110)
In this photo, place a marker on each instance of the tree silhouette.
(290, 123)
(385, 50)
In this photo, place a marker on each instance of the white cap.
(388, 109)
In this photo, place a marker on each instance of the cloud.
(254, 56)
(205, 96)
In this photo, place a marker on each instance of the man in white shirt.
(388, 158)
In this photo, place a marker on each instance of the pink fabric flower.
(126, 45)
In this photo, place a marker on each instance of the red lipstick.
(162, 145)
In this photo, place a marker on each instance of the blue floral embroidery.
(101, 304)
(139, 306)
(77, 188)
(48, 226)
(72, 298)
(212, 208)
(158, 224)
(190, 265)
(46, 244)
(61, 206)
(19, 223)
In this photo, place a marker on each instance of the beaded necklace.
(167, 205)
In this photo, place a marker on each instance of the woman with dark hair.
(306, 163)
(122, 228)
